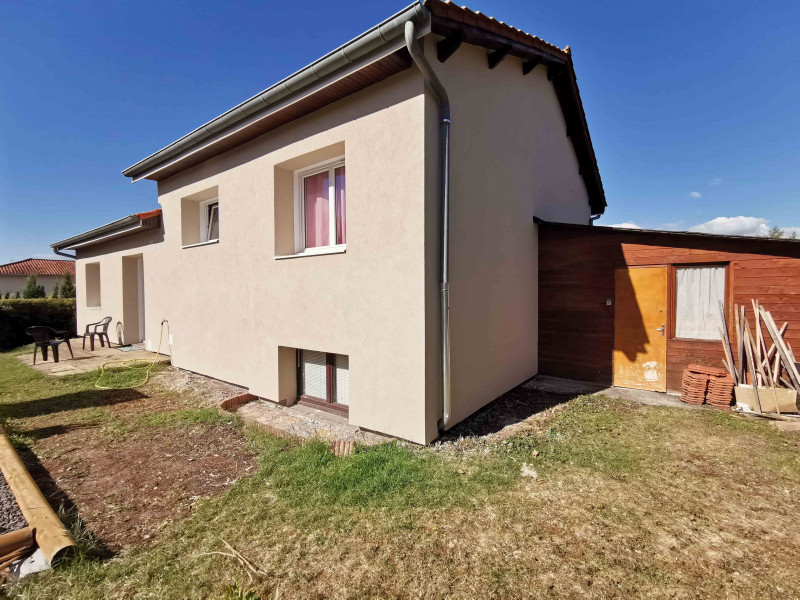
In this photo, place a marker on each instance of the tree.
(16, 295)
(67, 288)
(32, 289)
(775, 233)
(8, 295)
(55, 291)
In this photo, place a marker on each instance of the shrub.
(18, 314)
(32, 289)
(55, 291)
(68, 287)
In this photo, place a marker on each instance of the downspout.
(433, 83)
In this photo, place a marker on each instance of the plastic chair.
(46, 337)
(99, 329)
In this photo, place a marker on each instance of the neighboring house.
(48, 272)
(634, 307)
(312, 248)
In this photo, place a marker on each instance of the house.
(48, 272)
(634, 308)
(359, 236)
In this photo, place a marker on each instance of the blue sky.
(693, 107)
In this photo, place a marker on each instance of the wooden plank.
(788, 363)
(749, 351)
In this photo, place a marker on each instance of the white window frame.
(204, 224)
(299, 213)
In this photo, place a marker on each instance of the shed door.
(640, 318)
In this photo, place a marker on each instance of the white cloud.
(715, 181)
(754, 226)
(627, 225)
(695, 194)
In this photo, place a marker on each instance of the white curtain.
(699, 292)
(314, 370)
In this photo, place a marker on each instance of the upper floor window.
(699, 293)
(209, 220)
(321, 206)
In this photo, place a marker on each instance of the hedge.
(18, 314)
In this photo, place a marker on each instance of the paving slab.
(85, 360)
(306, 422)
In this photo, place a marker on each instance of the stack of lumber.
(720, 392)
(764, 361)
(694, 387)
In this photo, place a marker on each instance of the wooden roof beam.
(496, 57)
(530, 65)
(447, 47)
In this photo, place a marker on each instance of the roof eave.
(119, 228)
(383, 35)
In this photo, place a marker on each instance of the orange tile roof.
(463, 14)
(38, 266)
(149, 214)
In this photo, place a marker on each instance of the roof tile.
(38, 266)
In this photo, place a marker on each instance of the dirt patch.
(128, 491)
(203, 391)
(11, 518)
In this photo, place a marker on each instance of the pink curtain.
(341, 205)
(316, 207)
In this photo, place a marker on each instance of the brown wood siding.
(576, 276)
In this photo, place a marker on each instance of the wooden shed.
(633, 307)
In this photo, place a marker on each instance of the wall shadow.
(65, 402)
(513, 407)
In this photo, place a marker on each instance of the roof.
(373, 56)
(125, 226)
(38, 266)
(664, 232)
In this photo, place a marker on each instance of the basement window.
(698, 294)
(324, 380)
(321, 207)
(92, 272)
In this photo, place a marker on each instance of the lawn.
(596, 497)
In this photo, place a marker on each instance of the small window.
(699, 292)
(324, 379)
(92, 272)
(209, 220)
(321, 207)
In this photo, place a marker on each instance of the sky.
(693, 107)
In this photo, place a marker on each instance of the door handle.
(661, 329)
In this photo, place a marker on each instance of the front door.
(640, 318)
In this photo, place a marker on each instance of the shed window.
(325, 378)
(699, 291)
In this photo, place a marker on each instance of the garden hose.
(126, 364)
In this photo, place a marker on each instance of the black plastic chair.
(99, 329)
(47, 337)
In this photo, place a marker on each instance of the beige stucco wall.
(16, 283)
(236, 313)
(511, 160)
(116, 284)
(234, 310)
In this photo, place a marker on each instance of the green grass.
(630, 501)
(180, 418)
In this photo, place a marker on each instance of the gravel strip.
(11, 518)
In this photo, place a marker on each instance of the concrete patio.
(85, 360)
